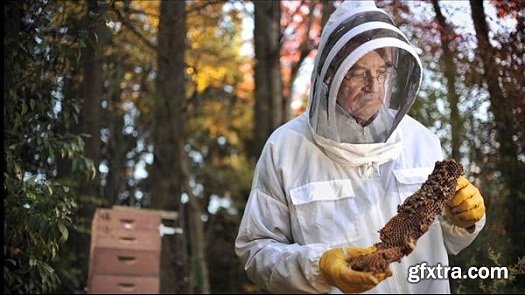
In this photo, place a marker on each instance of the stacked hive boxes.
(125, 252)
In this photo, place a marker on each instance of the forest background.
(167, 104)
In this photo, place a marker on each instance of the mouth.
(368, 97)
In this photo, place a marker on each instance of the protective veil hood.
(355, 29)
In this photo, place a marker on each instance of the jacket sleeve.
(265, 244)
(457, 238)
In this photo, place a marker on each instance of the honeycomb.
(414, 218)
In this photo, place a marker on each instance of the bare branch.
(202, 6)
(132, 28)
(306, 47)
(285, 27)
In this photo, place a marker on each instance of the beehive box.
(125, 252)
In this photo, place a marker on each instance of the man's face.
(363, 88)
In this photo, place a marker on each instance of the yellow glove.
(337, 271)
(467, 206)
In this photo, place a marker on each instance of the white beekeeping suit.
(325, 181)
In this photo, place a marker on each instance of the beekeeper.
(328, 180)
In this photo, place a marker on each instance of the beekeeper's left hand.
(467, 206)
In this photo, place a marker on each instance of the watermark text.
(423, 271)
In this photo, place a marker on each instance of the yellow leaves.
(213, 118)
(235, 161)
(213, 46)
(222, 118)
(210, 76)
(151, 11)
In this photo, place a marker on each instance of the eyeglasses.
(363, 76)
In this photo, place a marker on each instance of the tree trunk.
(450, 71)
(509, 162)
(12, 20)
(91, 90)
(200, 277)
(117, 148)
(268, 82)
(304, 49)
(168, 139)
(328, 8)
(92, 86)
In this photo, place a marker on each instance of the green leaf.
(64, 231)
(67, 64)
(51, 152)
(18, 171)
(32, 261)
(12, 93)
(81, 43)
(31, 196)
(18, 122)
(49, 189)
(12, 261)
(31, 284)
(74, 163)
(24, 109)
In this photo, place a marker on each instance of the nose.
(371, 85)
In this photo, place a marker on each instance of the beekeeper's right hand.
(338, 273)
